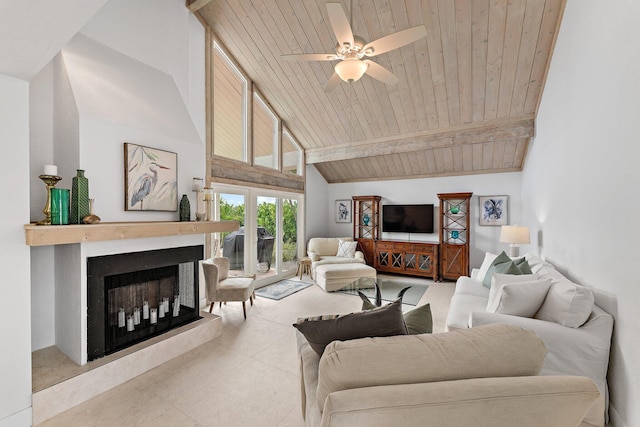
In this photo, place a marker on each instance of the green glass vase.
(79, 198)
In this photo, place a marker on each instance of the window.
(265, 134)
(291, 154)
(229, 108)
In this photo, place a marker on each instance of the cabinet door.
(454, 261)
(367, 248)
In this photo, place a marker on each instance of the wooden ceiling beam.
(196, 5)
(522, 127)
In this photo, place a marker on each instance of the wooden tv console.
(411, 258)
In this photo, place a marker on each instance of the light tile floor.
(247, 377)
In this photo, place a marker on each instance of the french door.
(271, 226)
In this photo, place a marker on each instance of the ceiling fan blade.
(378, 72)
(333, 82)
(394, 41)
(310, 57)
(340, 23)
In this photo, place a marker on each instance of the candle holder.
(208, 200)
(50, 182)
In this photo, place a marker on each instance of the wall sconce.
(514, 235)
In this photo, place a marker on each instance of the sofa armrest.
(313, 255)
(359, 255)
(530, 401)
(570, 351)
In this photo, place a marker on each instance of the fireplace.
(132, 297)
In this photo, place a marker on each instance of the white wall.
(580, 184)
(15, 316)
(316, 201)
(425, 191)
(119, 81)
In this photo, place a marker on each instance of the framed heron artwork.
(493, 210)
(150, 179)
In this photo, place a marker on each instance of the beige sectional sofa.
(484, 376)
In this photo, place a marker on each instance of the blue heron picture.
(150, 179)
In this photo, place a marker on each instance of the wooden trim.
(196, 5)
(229, 171)
(460, 135)
(43, 235)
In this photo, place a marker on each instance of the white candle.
(50, 170)
(145, 310)
(129, 323)
(176, 306)
(165, 301)
(161, 310)
(154, 316)
(136, 316)
(121, 318)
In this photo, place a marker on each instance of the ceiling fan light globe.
(351, 69)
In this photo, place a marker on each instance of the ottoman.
(332, 277)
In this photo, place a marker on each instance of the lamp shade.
(351, 69)
(514, 234)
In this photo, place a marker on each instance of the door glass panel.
(267, 232)
(231, 244)
(289, 234)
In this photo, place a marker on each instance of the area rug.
(281, 289)
(389, 291)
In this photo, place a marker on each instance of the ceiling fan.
(351, 50)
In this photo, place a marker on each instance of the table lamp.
(514, 235)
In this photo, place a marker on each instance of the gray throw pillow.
(379, 322)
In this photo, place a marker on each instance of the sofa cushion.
(380, 322)
(346, 249)
(498, 280)
(489, 351)
(519, 299)
(566, 303)
(486, 263)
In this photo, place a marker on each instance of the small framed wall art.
(150, 179)
(343, 210)
(494, 210)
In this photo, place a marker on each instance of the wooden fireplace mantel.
(43, 235)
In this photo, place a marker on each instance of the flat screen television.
(407, 218)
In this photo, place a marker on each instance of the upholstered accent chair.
(220, 287)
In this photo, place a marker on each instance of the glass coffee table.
(380, 289)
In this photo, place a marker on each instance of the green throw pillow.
(503, 258)
(524, 266)
(419, 320)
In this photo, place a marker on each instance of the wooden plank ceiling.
(467, 97)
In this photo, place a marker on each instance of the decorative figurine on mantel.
(92, 218)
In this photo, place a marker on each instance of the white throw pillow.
(522, 299)
(346, 249)
(567, 303)
(498, 281)
(488, 259)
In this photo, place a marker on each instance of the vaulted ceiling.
(467, 97)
